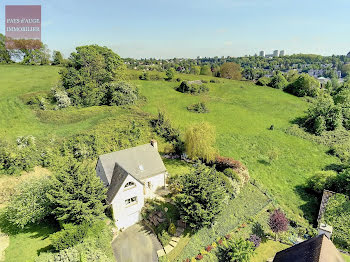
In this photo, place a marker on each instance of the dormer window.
(129, 185)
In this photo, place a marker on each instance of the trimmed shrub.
(232, 174)
(342, 151)
(172, 229)
(67, 255)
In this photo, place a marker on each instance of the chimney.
(326, 230)
(154, 143)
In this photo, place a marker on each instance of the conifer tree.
(77, 194)
(202, 197)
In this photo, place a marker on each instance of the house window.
(129, 185)
(130, 201)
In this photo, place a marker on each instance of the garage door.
(132, 219)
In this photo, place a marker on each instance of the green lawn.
(27, 244)
(267, 250)
(242, 114)
(346, 257)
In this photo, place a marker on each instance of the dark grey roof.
(119, 176)
(141, 162)
(317, 249)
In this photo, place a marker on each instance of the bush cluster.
(192, 87)
(95, 246)
(332, 181)
(324, 115)
(120, 93)
(223, 163)
(337, 214)
(29, 152)
(263, 81)
(198, 108)
(304, 85)
(163, 127)
(61, 98)
(69, 236)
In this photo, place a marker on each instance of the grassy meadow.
(18, 82)
(242, 114)
(240, 111)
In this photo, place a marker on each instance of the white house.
(131, 175)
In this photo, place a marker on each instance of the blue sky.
(191, 28)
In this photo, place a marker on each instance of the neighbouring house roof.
(317, 249)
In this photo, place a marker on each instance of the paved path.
(136, 244)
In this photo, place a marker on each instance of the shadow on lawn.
(311, 207)
(43, 230)
(264, 162)
(45, 250)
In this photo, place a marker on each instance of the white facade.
(151, 184)
(129, 200)
(131, 175)
(127, 214)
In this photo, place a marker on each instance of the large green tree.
(77, 194)
(324, 115)
(57, 58)
(30, 204)
(199, 142)
(86, 72)
(278, 81)
(206, 70)
(231, 71)
(304, 85)
(202, 197)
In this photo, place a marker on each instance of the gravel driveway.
(136, 244)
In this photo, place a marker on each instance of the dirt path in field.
(4, 243)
